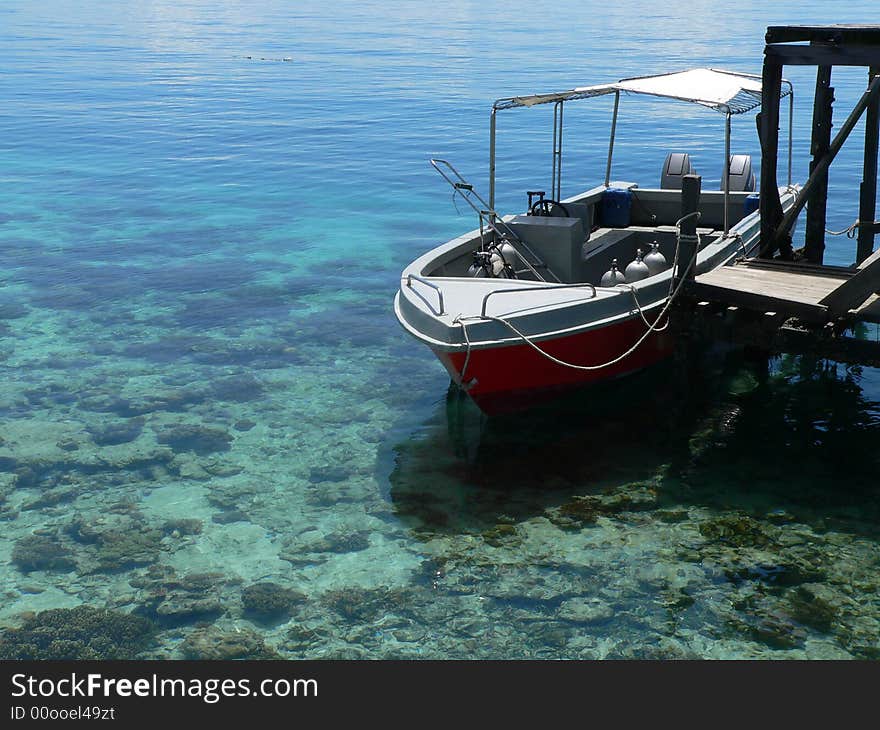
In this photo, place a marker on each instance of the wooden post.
(823, 108)
(768, 133)
(868, 188)
(870, 96)
(687, 247)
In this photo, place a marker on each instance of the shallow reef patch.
(78, 633)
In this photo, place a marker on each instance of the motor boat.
(578, 290)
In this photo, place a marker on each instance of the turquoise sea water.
(210, 420)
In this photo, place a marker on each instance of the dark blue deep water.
(213, 430)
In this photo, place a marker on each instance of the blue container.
(751, 204)
(616, 203)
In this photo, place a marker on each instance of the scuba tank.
(481, 267)
(637, 269)
(509, 254)
(490, 264)
(613, 277)
(655, 261)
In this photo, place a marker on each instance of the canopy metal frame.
(743, 101)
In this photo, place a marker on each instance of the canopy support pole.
(611, 140)
(726, 168)
(492, 159)
(556, 179)
(790, 125)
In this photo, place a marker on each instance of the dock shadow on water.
(726, 506)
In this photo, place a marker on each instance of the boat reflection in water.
(743, 434)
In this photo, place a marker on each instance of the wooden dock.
(786, 300)
(813, 293)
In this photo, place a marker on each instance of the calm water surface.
(214, 432)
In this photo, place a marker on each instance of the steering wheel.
(547, 207)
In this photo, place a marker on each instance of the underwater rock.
(77, 633)
(183, 608)
(672, 516)
(779, 517)
(815, 605)
(231, 495)
(50, 498)
(575, 514)
(736, 530)
(269, 601)
(212, 643)
(229, 516)
(119, 549)
(780, 574)
(117, 433)
(777, 630)
(26, 477)
(742, 383)
(237, 389)
(174, 401)
(218, 468)
(119, 542)
(501, 535)
(585, 611)
(182, 527)
(187, 468)
(302, 637)
(172, 600)
(585, 510)
(367, 604)
(41, 552)
(861, 637)
(201, 440)
(332, 473)
(336, 542)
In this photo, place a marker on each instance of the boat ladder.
(489, 218)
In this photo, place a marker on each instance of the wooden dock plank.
(804, 288)
(855, 291)
(869, 311)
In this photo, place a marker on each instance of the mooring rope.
(850, 231)
(651, 327)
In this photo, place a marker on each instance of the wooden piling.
(868, 188)
(814, 247)
(687, 247)
(768, 132)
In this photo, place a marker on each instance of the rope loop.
(651, 327)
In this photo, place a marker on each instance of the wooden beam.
(868, 188)
(823, 106)
(768, 134)
(824, 55)
(782, 232)
(834, 33)
(759, 302)
(856, 290)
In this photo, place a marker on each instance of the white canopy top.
(728, 92)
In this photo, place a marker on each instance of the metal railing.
(533, 288)
(431, 284)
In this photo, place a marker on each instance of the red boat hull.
(512, 377)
